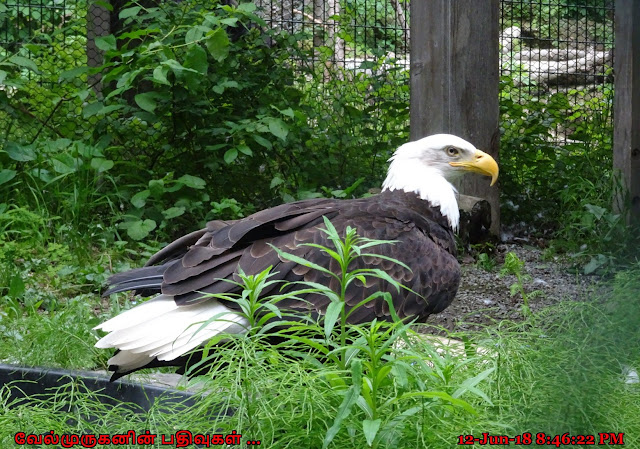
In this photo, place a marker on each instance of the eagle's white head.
(429, 165)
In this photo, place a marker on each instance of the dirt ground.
(484, 296)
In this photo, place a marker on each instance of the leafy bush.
(369, 26)
(538, 173)
(201, 104)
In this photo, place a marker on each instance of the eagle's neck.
(428, 183)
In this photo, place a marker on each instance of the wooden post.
(626, 109)
(454, 79)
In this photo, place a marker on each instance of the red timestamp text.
(543, 439)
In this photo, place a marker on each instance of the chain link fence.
(40, 41)
(548, 47)
(559, 51)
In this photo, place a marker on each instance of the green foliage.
(534, 167)
(568, 187)
(46, 304)
(62, 181)
(564, 369)
(514, 266)
(190, 91)
(486, 262)
(593, 231)
(367, 25)
(202, 115)
(163, 202)
(61, 339)
(377, 385)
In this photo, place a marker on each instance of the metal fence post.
(98, 25)
(454, 78)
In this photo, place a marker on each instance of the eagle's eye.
(452, 151)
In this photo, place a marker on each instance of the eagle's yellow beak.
(480, 163)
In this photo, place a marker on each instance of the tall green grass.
(559, 371)
(563, 369)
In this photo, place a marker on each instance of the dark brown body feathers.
(198, 261)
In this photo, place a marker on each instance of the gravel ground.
(484, 296)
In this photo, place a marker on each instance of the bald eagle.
(417, 208)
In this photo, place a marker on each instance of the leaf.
(470, 385)
(192, 181)
(106, 43)
(230, 155)
(139, 229)
(437, 395)
(195, 33)
(370, 428)
(597, 211)
(231, 21)
(19, 153)
(147, 101)
(7, 175)
(24, 62)
(301, 261)
(288, 112)
(350, 398)
(101, 165)
(197, 59)
(72, 74)
(42, 174)
(246, 7)
(173, 212)
(277, 127)
(137, 34)
(91, 109)
(16, 286)
(217, 43)
(220, 87)
(176, 67)
(245, 150)
(156, 187)
(65, 166)
(331, 316)
(140, 198)
(276, 181)
(106, 109)
(160, 75)
(129, 12)
(595, 262)
(262, 141)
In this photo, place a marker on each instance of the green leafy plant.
(598, 238)
(485, 262)
(366, 26)
(514, 266)
(377, 387)
(185, 194)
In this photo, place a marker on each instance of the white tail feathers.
(160, 329)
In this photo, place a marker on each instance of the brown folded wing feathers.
(201, 261)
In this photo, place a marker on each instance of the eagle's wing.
(205, 260)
